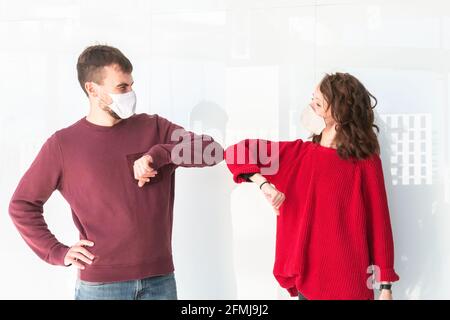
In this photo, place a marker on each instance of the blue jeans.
(152, 288)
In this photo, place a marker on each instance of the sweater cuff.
(248, 168)
(293, 291)
(386, 274)
(247, 176)
(159, 157)
(57, 254)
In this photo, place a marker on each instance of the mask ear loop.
(100, 93)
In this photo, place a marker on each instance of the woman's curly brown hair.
(352, 109)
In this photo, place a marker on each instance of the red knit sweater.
(334, 223)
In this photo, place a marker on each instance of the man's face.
(114, 81)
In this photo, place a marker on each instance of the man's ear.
(90, 89)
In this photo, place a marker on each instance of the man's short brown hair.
(94, 58)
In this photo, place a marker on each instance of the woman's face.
(321, 107)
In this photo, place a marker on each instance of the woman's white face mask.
(312, 121)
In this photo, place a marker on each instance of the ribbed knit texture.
(334, 223)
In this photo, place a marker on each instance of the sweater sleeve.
(26, 207)
(380, 239)
(183, 148)
(255, 156)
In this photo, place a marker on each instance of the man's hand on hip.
(78, 255)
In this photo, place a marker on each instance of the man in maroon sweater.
(116, 169)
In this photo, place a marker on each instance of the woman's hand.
(385, 295)
(274, 196)
(271, 193)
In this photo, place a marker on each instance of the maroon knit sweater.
(92, 167)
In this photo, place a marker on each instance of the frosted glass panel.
(235, 69)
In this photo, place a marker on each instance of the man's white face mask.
(312, 121)
(123, 104)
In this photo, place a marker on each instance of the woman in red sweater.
(334, 236)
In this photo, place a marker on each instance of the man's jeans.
(152, 288)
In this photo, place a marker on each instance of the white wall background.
(235, 69)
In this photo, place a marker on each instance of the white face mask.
(124, 104)
(312, 121)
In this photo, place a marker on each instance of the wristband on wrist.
(385, 286)
(260, 186)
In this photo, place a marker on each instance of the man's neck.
(101, 118)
